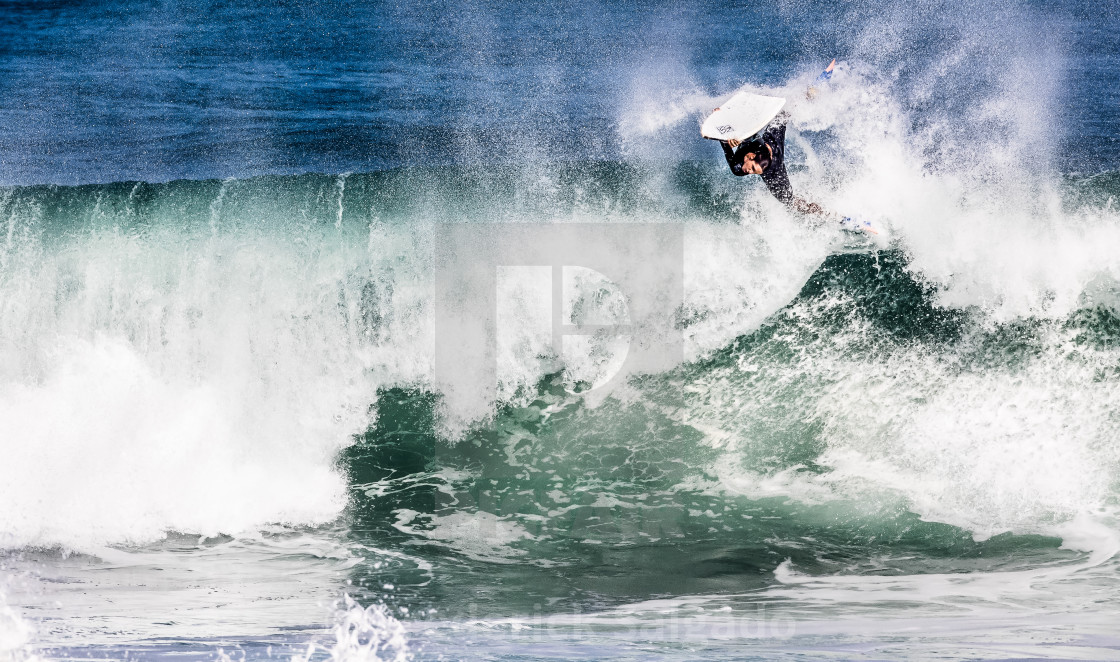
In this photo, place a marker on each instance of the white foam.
(197, 383)
(364, 634)
(1022, 447)
(15, 636)
(1016, 448)
(965, 184)
(738, 275)
(982, 219)
(109, 452)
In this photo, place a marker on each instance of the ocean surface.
(223, 435)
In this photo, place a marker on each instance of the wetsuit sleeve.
(735, 165)
(775, 177)
(775, 137)
(777, 181)
(775, 132)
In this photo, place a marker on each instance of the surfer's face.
(750, 165)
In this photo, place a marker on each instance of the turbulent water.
(221, 435)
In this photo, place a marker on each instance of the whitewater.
(222, 436)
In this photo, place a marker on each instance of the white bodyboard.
(741, 116)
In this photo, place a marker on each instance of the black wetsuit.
(774, 176)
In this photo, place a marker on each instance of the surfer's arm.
(777, 182)
(733, 162)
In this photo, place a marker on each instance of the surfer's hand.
(734, 142)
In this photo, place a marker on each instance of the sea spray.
(900, 448)
(15, 636)
(362, 634)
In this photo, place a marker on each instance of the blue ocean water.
(222, 435)
(116, 91)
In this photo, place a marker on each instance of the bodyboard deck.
(741, 116)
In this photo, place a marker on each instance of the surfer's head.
(756, 159)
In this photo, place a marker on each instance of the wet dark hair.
(761, 154)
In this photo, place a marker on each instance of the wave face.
(172, 349)
(863, 438)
